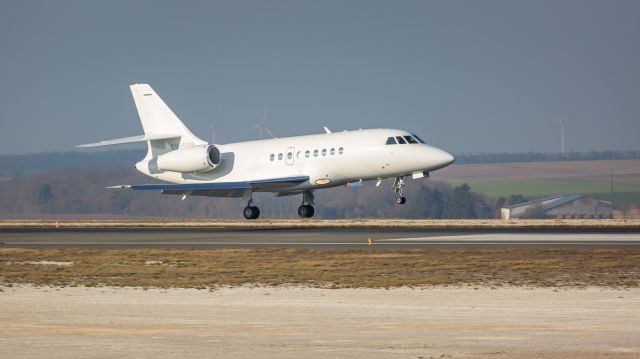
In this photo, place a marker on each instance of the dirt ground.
(298, 322)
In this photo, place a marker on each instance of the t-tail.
(163, 130)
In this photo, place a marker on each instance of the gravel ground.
(245, 322)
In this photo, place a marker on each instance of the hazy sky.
(469, 76)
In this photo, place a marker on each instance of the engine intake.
(191, 159)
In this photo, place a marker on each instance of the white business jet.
(285, 166)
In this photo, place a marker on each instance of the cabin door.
(289, 156)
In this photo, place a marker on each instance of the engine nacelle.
(191, 159)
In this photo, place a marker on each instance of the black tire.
(310, 211)
(251, 212)
(306, 211)
(401, 200)
(256, 213)
(248, 213)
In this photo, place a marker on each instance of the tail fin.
(163, 130)
(157, 118)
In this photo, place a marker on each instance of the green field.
(626, 188)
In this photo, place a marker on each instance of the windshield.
(418, 138)
(410, 139)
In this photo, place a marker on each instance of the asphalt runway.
(319, 238)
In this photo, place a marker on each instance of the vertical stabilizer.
(157, 118)
(159, 121)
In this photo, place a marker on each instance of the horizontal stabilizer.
(141, 138)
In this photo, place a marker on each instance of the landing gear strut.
(306, 209)
(250, 211)
(398, 185)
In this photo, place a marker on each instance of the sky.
(468, 76)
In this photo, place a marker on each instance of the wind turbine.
(563, 134)
(260, 126)
(214, 126)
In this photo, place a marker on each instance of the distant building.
(570, 206)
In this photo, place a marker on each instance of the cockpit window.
(391, 141)
(401, 140)
(410, 139)
(418, 138)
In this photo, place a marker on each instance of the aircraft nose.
(442, 158)
(446, 158)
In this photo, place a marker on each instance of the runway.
(318, 238)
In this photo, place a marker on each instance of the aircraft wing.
(219, 189)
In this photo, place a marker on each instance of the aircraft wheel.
(310, 211)
(251, 212)
(256, 213)
(306, 211)
(401, 200)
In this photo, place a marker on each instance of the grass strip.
(210, 268)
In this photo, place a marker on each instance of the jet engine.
(191, 159)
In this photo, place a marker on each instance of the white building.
(570, 206)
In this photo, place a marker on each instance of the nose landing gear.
(398, 185)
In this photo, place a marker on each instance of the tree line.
(83, 192)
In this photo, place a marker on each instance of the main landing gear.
(250, 211)
(398, 185)
(306, 208)
(306, 211)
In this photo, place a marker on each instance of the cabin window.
(289, 155)
(307, 153)
(272, 157)
(298, 154)
(280, 156)
(340, 150)
(333, 151)
(410, 139)
(315, 153)
(391, 141)
(324, 151)
(401, 140)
